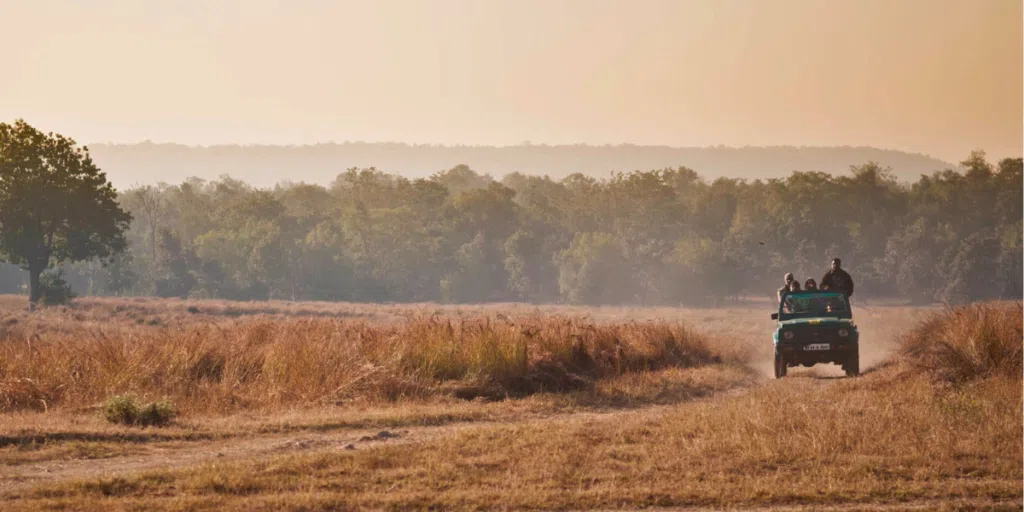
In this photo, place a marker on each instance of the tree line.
(147, 163)
(655, 237)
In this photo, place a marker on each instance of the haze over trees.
(666, 236)
(264, 166)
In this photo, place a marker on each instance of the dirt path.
(187, 454)
(193, 453)
(21, 477)
(16, 478)
(910, 504)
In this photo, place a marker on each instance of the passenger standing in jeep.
(837, 279)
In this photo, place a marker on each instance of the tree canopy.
(56, 206)
(660, 236)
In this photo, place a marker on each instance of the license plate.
(817, 346)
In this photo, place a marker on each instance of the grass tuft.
(127, 410)
(969, 343)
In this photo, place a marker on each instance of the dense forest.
(664, 236)
(261, 166)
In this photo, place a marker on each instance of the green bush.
(127, 410)
(54, 290)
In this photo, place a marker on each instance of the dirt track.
(19, 478)
(22, 477)
(16, 479)
(187, 454)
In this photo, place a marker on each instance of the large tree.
(56, 206)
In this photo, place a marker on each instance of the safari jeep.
(816, 327)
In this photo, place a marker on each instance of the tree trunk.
(92, 275)
(35, 291)
(153, 244)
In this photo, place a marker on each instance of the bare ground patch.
(888, 440)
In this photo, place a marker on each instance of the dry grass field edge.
(269, 364)
(939, 424)
(889, 437)
(969, 342)
(232, 378)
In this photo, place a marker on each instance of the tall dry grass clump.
(259, 363)
(969, 342)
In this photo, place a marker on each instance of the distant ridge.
(265, 165)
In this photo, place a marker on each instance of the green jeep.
(816, 327)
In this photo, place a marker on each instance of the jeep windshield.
(814, 304)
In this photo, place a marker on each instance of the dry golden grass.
(150, 311)
(235, 377)
(884, 438)
(268, 364)
(37, 437)
(970, 342)
(607, 414)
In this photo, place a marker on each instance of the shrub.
(126, 410)
(969, 342)
(54, 290)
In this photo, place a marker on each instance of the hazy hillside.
(146, 162)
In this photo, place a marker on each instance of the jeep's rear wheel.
(780, 366)
(852, 365)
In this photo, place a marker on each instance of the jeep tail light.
(843, 333)
(788, 335)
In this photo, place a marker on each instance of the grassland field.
(338, 406)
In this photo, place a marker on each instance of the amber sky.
(934, 76)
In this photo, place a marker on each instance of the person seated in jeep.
(811, 286)
(793, 287)
(812, 304)
(785, 288)
(835, 305)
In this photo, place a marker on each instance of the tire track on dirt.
(16, 479)
(959, 503)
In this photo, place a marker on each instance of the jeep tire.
(852, 365)
(780, 366)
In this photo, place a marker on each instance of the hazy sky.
(932, 76)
